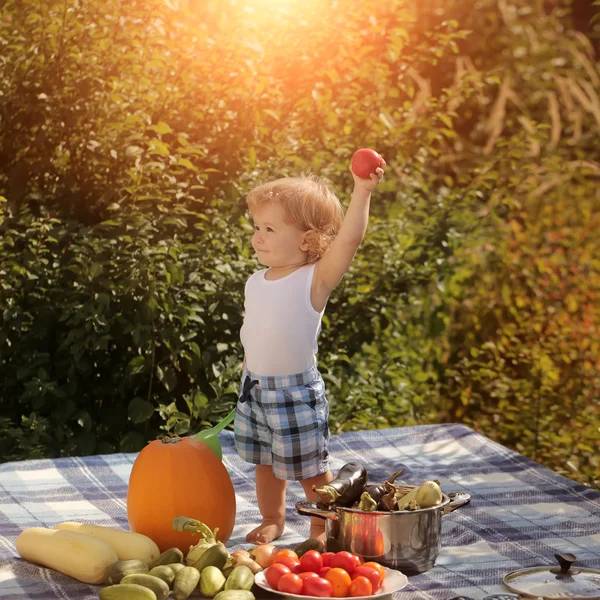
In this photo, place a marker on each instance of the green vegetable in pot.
(428, 494)
(366, 502)
(345, 488)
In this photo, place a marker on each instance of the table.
(520, 515)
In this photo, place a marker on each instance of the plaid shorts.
(282, 421)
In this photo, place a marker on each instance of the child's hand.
(369, 184)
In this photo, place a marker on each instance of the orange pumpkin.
(179, 477)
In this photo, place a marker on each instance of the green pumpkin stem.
(195, 526)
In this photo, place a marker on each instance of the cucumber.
(235, 595)
(212, 581)
(172, 555)
(175, 567)
(185, 582)
(214, 557)
(126, 591)
(241, 578)
(118, 570)
(157, 585)
(165, 573)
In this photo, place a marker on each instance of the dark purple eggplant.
(345, 488)
(377, 491)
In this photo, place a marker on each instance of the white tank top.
(281, 327)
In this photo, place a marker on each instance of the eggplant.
(345, 488)
(377, 491)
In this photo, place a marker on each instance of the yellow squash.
(79, 556)
(126, 544)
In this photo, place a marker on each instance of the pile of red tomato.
(327, 574)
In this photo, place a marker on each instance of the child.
(301, 235)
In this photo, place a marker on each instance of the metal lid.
(563, 581)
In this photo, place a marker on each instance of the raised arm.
(335, 262)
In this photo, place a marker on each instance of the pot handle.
(457, 499)
(310, 510)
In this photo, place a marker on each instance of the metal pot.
(409, 541)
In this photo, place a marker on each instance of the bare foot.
(266, 532)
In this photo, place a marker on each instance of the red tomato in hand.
(364, 162)
(290, 583)
(360, 586)
(311, 561)
(327, 556)
(370, 573)
(293, 564)
(317, 586)
(344, 560)
(274, 573)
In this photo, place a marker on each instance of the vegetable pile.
(132, 567)
(324, 574)
(207, 566)
(350, 489)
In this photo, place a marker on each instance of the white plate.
(394, 581)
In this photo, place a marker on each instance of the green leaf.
(140, 410)
(200, 400)
(136, 365)
(132, 441)
(182, 426)
(84, 420)
(167, 377)
(184, 162)
(161, 128)
(158, 147)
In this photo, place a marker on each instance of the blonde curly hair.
(308, 203)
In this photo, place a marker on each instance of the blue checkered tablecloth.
(520, 515)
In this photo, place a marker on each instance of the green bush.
(102, 326)
(131, 133)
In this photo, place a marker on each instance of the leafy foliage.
(131, 132)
